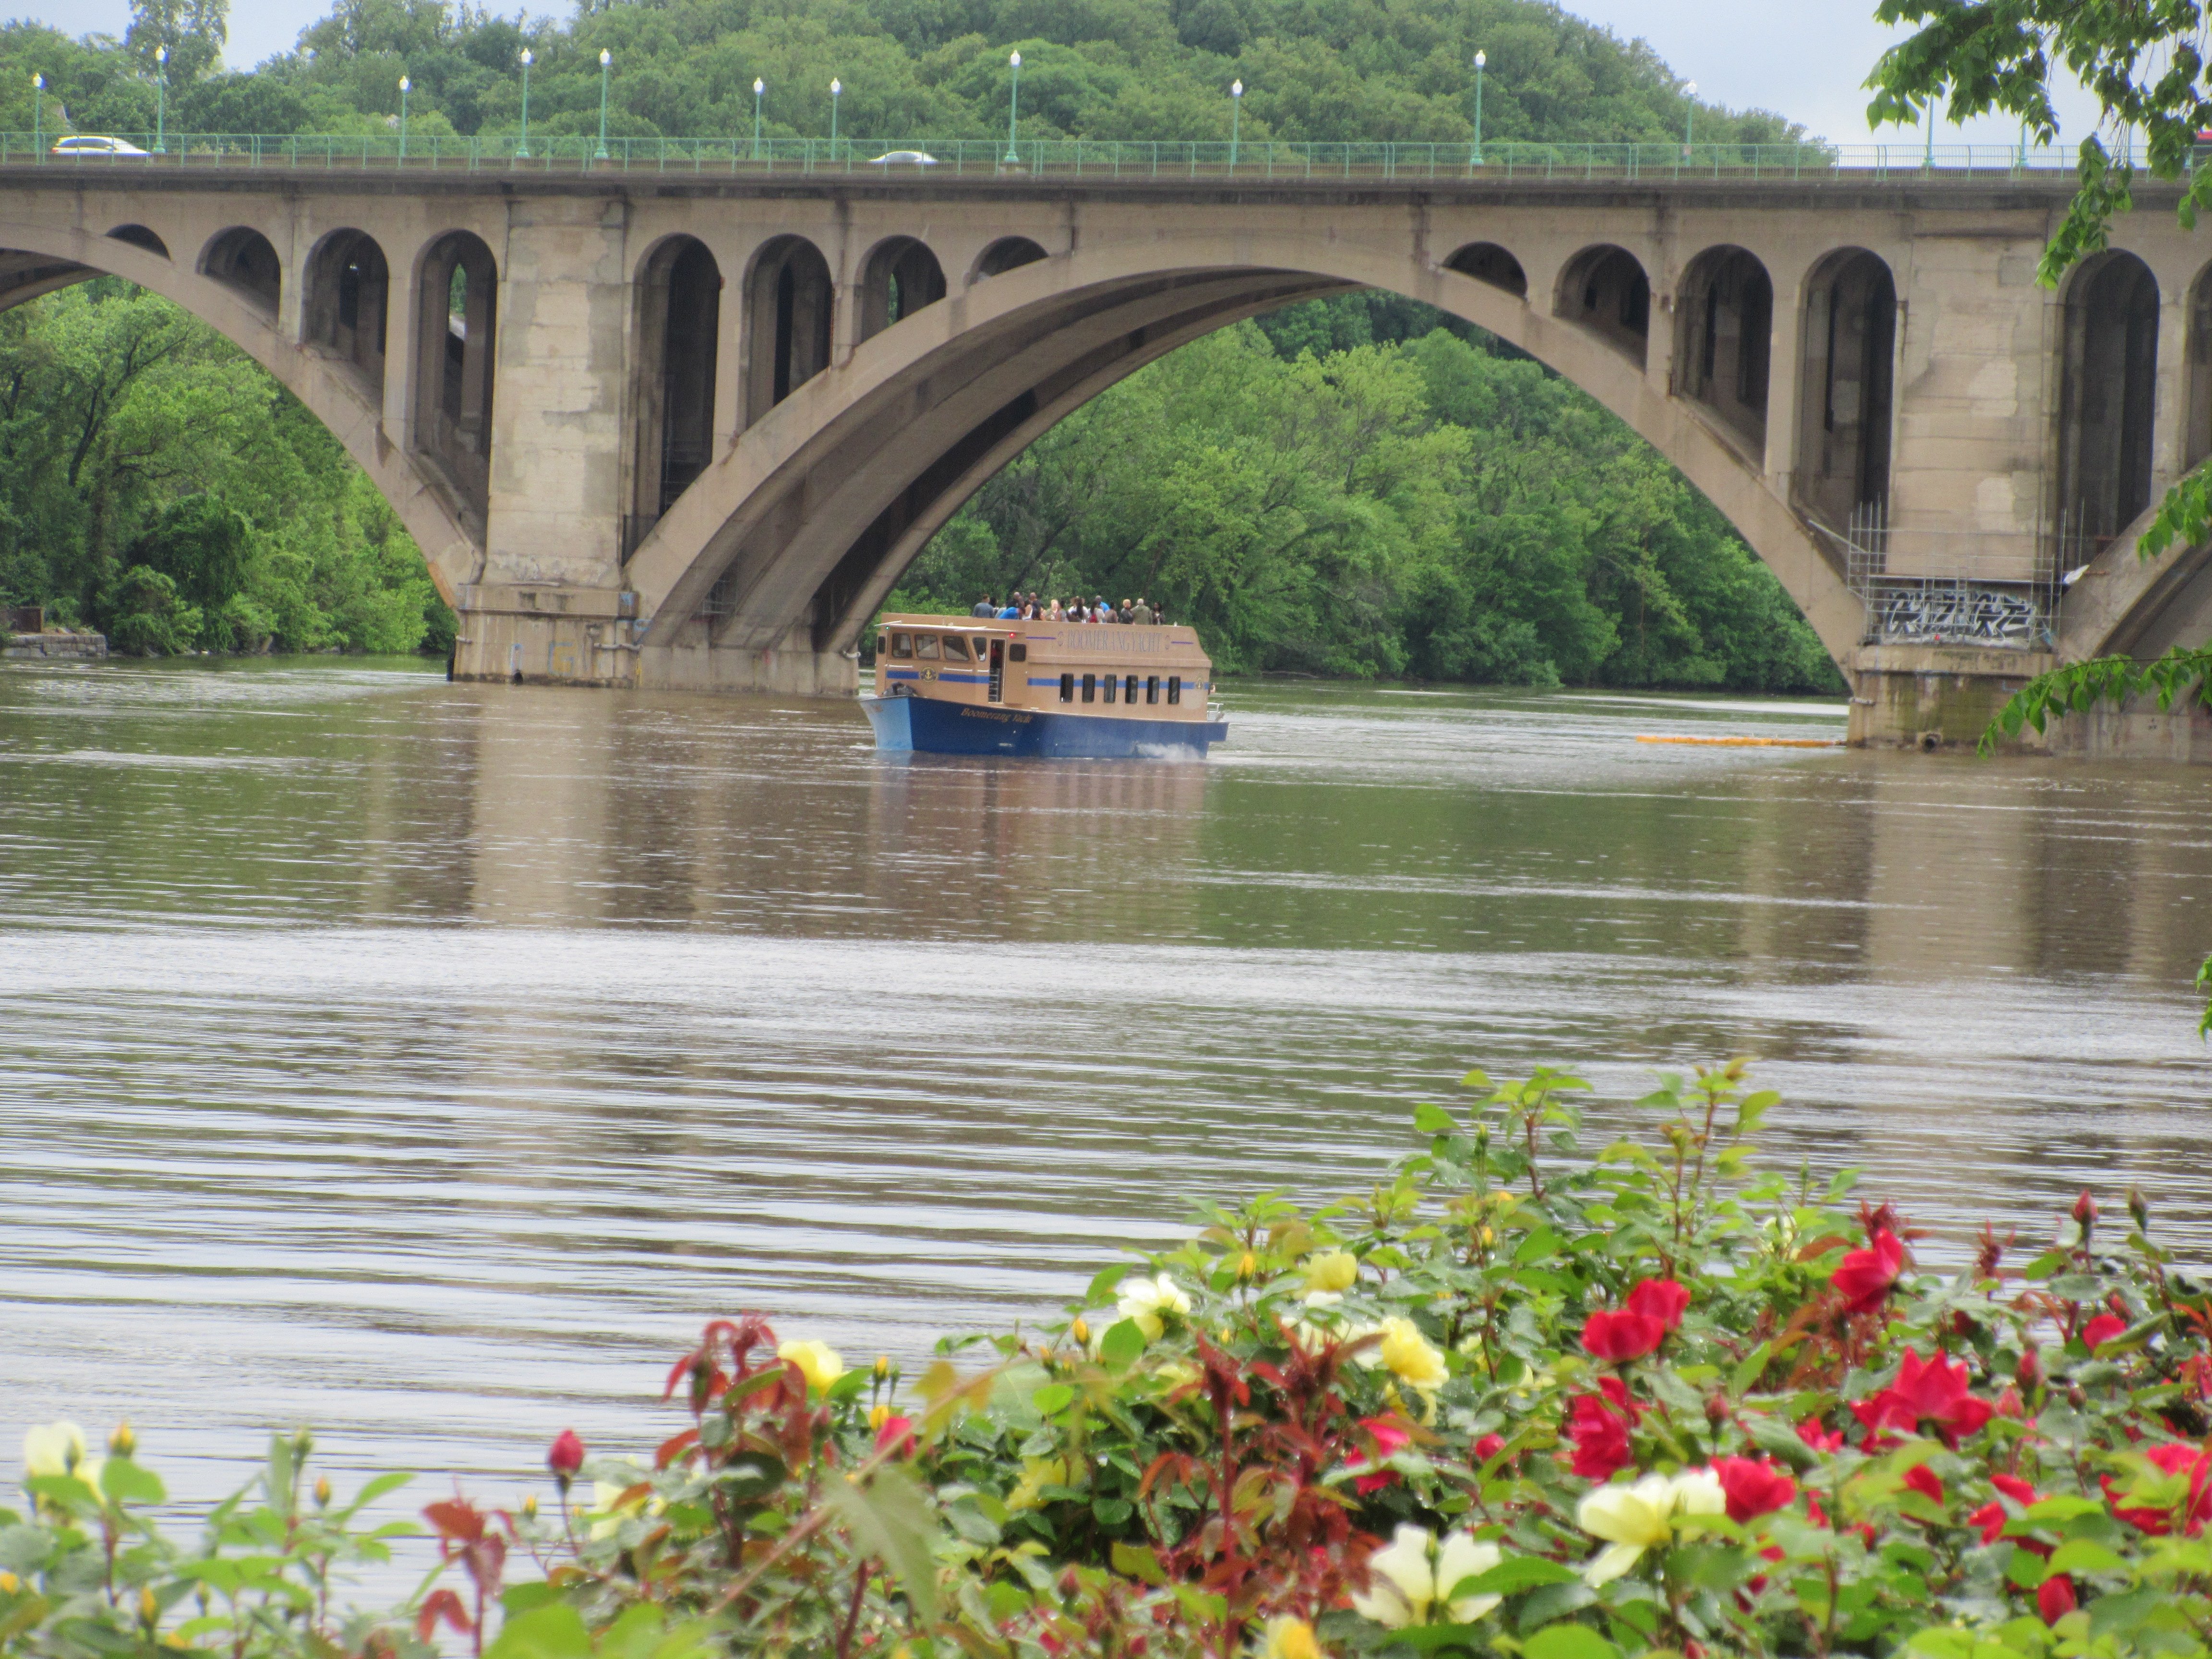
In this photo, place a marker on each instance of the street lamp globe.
(38, 83)
(1235, 89)
(837, 87)
(527, 60)
(1014, 58)
(405, 85)
(1481, 60)
(160, 54)
(759, 85)
(606, 57)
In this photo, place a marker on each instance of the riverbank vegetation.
(158, 485)
(1512, 1400)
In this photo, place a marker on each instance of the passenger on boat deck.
(1141, 613)
(984, 607)
(1101, 609)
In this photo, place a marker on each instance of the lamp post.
(39, 115)
(1689, 119)
(1236, 112)
(404, 86)
(836, 91)
(161, 101)
(759, 87)
(1928, 126)
(522, 150)
(1475, 155)
(606, 58)
(1014, 107)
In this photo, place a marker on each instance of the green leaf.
(1053, 1398)
(1122, 1345)
(126, 1483)
(1430, 1120)
(1513, 1575)
(2026, 1569)
(1569, 1642)
(376, 1489)
(2086, 1555)
(1430, 1638)
(522, 1598)
(2110, 1614)
(1554, 1601)
(1778, 1439)
(1750, 1369)
(1138, 1561)
(553, 1631)
(749, 1479)
(890, 1519)
(65, 1489)
(1104, 1281)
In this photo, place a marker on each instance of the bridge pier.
(1935, 696)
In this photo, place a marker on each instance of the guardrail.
(1081, 158)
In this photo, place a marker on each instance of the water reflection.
(427, 1060)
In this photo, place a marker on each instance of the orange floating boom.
(1753, 743)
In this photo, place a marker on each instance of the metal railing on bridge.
(911, 161)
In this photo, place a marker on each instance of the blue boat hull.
(906, 724)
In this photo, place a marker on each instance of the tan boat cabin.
(1126, 670)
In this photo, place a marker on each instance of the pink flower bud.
(566, 1457)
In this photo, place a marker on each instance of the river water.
(427, 1062)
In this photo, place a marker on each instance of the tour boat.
(961, 685)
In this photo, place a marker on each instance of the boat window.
(901, 645)
(1129, 689)
(1017, 654)
(1111, 682)
(1089, 687)
(1067, 688)
(1151, 688)
(1175, 688)
(924, 646)
(956, 648)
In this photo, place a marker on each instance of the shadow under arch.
(1723, 340)
(804, 524)
(346, 302)
(140, 236)
(243, 259)
(790, 305)
(322, 387)
(1486, 262)
(456, 347)
(1007, 253)
(2107, 401)
(1604, 290)
(898, 278)
(1846, 388)
(677, 353)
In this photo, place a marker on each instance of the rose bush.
(1518, 1399)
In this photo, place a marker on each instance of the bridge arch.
(2108, 399)
(1604, 290)
(140, 236)
(790, 307)
(1847, 388)
(456, 336)
(243, 259)
(678, 357)
(1724, 329)
(1007, 253)
(1486, 262)
(899, 277)
(346, 302)
(322, 386)
(2196, 439)
(800, 528)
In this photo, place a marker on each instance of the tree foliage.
(156, 483)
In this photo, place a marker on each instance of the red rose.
(1818, 1439)
(897, 1437)
(1754, 1487)
(1926, 1481)
(2014, 1488)
(1619, 1337)
(566, 1457)
(2102, 1329)
(1488, 1447)
(1933, 1391)
(1865, 1275)
(1599, 1434)
(2055, 1599)
(2196, 1506)
(1390, 1437)
(1661, 1299)
(1992, 1520)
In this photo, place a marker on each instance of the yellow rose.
(1332, 1271)
(1147, 1301)
(1632, 1519)
(53, 1449)
(1410, 1358)
(1291, 1638)
(818, 1362)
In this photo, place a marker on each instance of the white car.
(904, 158)
(85, 144)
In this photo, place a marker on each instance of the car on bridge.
(86, 143)
(904, 158)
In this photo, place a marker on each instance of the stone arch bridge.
(686, 431)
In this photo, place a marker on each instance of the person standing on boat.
(984, 607)
(1141, 613)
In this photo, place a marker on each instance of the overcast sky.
(1804, 59)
